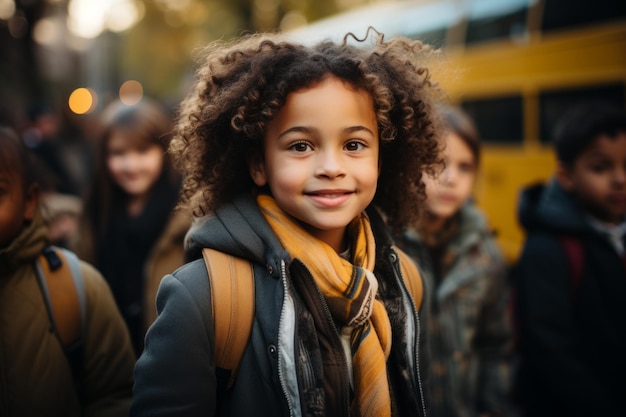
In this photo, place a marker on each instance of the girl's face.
(135, 167)
(448, 192)
(321, 157)
(16, 206)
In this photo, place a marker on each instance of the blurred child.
(571, 279)
(36, 377)
(465, 273)
(292, 150)
(129, 230)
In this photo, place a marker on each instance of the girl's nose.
(619, 176)
(448, 175)
(329, 165)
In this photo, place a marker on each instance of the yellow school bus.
(515, 66)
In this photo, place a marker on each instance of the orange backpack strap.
(62, 286)
(412, 277)
(232, 298)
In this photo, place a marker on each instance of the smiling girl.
(128, 230)
(292, 155)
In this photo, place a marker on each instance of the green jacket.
(35, 377)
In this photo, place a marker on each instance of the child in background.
(465, 273)
(36, 378)
(571, 278)
(294, 152)
(129, 231)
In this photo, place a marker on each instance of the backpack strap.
(412, 277)
(63, 289)
(61, 281)
(575, 257)
(232, 298)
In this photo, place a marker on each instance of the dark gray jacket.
(294, 364)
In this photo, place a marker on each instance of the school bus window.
(552, 104)
(507, 26)
(559, 14)
(498, 120)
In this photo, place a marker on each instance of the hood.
(25, 247)
(237, 228)
(550, 208)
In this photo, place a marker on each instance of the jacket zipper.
(281, 376)
(398, 272)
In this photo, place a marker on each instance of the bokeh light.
(83, 100)
(7, 9)
(88, 18)
(131, 92)
(47, 32)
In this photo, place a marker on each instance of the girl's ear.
(31, 201)
(256, 166)
(564, 176)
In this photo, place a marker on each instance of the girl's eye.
(600, 167)
(300, 147)
(116, 152)
(465, 167)
(354, 145)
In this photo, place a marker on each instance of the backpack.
(232, 318)
(63, 290)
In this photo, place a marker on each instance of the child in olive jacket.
(36, 377)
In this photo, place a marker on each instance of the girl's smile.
(329, 198)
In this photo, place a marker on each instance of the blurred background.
(513, 65)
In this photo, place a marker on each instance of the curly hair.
(243, 84)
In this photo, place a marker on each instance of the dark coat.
(293, 339)
(572, 360)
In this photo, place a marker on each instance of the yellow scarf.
(350, 291)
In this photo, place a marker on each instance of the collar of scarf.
(350, 291)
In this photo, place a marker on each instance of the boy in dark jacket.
(571, 278)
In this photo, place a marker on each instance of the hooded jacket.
(292, 339)
(469, 332)
(35, 376)
(572, 360)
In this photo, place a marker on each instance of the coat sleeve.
(175, 375)
(108, 356)
(550, 364)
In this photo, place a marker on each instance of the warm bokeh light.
(7, 9)
(88, 18)
(124, 15)
(292, 20)
(47, 32)
(131, 92)
(83, 100)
